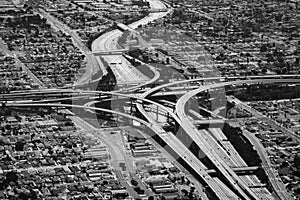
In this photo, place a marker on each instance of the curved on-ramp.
(183, 120)
(193, 131)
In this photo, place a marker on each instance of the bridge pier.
(131, 106)
(168, 117)
(56, 108)
(156, 113)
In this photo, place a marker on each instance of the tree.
(11, 177)
(188, 182)
(23, 195)
(168, 60)
(33, 194)
(150, 185)
(8, 21)
(184, 192)
(182, 180)
(297, 160)
(134, 182)
(19, 146)
(145, 58)
(191, 193)
(264, 70)
(105, 182)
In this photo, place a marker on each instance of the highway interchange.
(210, 141)
(180, 145)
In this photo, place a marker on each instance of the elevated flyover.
(221, 166)
(110, 52)
(192, 131)
(272, 79)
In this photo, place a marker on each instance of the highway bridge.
(59, 94)
(239, 186)
(238, 170)
(227, 162)
(193, 131)
(157, 10)
(110, 52)
(184, 85)
(215, 86)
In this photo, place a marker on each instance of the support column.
(156, 113)
(131, 106)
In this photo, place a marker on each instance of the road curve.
(124, 72)
(152, 80)
(217, 78)
(197, 91)
(227, 83)
(181, 150)
(192, 130)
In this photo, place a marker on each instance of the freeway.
(111, 52)
(169, 138)
(234, 181)
(45, 93)
(231, 157)
(153, 91)
(122, 69)
(212, 86)
(174, 142)
(156, 5)
(218, 191)
(192, 130)
(152, 80)
(248, 179)
(213, 114)
(214, 79)
(204, 177)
